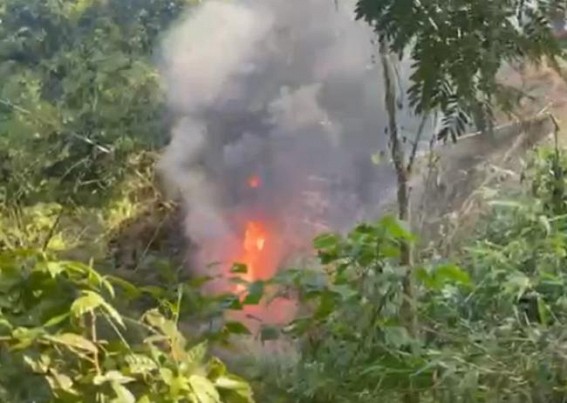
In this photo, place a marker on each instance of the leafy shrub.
(62, 340)
(492, 324)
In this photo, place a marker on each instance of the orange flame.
(254, 182)
(254, 242)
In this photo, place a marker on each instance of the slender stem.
(408, 311)
(416, 142)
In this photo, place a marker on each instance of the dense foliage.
(491, 320)
(458, 46)
(79, 94)
(61, 340)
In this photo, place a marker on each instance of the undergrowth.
(492, 322)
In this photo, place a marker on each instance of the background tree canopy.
(458, 46)
(79, 92)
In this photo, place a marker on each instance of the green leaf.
(396, 336)
(54, 269)
(113, 313)
(123, 395)
(166, 375)
(255, 293)
(197, 354)
(236, 328)
(269, 333)
(130, 289)
(543, 311)
(517, 284)
(396, 228)
(451, 273)
(155, 319)
(326, 241)
(74, 341)
(88, 302)
(439, 276)
(204, 389)
(241, 390)
(26, 336)
(112, 376)
(140, 364)
(61, 382)
(56, 320)
(239, 268)
(544, 221)
(216, 368)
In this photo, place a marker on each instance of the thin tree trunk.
(408, 311)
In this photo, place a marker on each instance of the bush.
(62, 340)
(492, 324)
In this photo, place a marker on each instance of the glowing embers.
(254, 182)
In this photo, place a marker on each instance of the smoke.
(283, 89)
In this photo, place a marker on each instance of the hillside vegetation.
(95, 303)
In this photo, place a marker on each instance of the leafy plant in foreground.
(492, 323)
(62, 340)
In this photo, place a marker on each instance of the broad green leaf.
(88, 302)
(396, 228)
(140, 364)
(166, 375)
(61, 382)
(453, 274)
(197, 354)
(123, 395)
(231, 382)
(74, 341)
(235, 389)
(167, 327)
(204, 389)
(327, 241)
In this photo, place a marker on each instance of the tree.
(457, 48)
(79, 94)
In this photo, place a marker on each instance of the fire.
(254, 182)
(255, 238)
(260, 250)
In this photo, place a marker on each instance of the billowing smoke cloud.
(285, 91)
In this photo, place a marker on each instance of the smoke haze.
(285, 90)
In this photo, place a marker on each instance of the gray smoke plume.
(285, 90)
